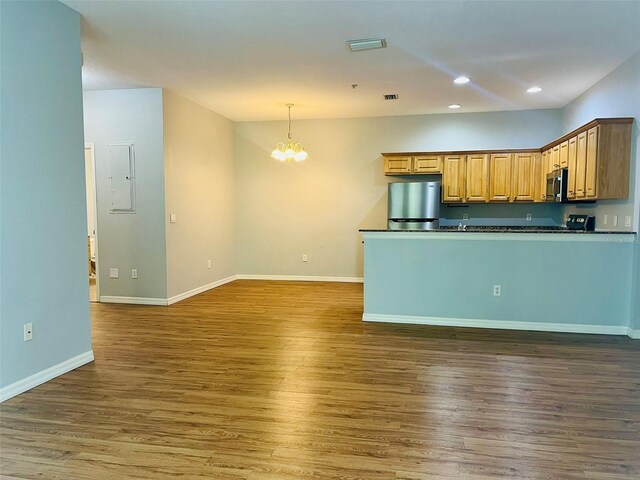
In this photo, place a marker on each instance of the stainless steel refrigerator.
(414, 206)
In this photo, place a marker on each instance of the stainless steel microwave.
(556, 186)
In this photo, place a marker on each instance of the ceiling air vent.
(366, 44)
(391, 96)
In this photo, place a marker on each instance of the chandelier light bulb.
(290, 151)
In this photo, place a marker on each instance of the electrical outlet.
(465, 216)
(529, 216)
(172, 217)
(627, 221)
(615, 220)
(134, 273)
(497, 290)
(605, 219)
(209, 264)
(113, 273)
(305, 258)
(28, 332)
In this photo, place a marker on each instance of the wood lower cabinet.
(477, 178)
(427, 164)
(526, 171)
(397, 165)
(453, 178)
(500, 177)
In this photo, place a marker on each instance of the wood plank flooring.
(264, 380)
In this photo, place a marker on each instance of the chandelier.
(289, 151)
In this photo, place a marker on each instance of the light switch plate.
(615, 220)
(172, 217)
(627, 221)
(28, 332)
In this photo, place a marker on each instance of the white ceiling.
(246, 59)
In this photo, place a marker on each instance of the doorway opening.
(92, 222)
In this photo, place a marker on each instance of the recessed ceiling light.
(454, 106)
(534, 90)
(366, 44)
(461, 80)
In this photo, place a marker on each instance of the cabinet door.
(500, 177)
(581, 165)
(427, 164)
(590, 180)
(397, 165)
(571, 167)
(542, 177)
(564, 154)
(477, 178)
(453, 173)
(555, 158)
(524, 177)
(547, 165)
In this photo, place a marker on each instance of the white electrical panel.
(122, 177)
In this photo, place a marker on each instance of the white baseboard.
(201, 289)
(133, 300)
(634, 333)
(500, 324)
(299, 278)
(39, 378)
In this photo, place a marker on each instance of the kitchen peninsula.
(524, 279)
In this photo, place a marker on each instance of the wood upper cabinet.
(590, 184)
(581, 165)
(397, 165)
(477, 178)
(555, 158)
(571, 166)
(564, 154)
(500, 177)
(427, 164)
(596, 155)
(453, 178)
(408, 164)
(526, 171)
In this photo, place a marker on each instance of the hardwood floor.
(277, 380)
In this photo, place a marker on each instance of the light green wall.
(130, 240)
(559, 279)
(316, 207)
(198, 159)
(43, 222)
(616, 95)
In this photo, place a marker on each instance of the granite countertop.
(489, 229)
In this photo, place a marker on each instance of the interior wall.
(130, 240)
(616, 95)
(316, 207)
(43, 233)
(199, 183)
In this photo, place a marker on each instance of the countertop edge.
(497, 236)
